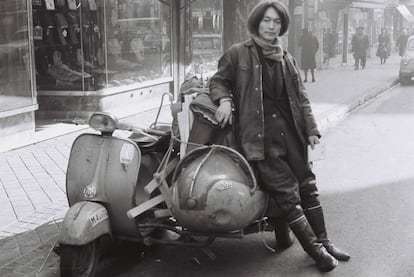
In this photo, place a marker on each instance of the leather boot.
(284, 236)
(304, 233)
(317, 221)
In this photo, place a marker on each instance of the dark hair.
(257, 13)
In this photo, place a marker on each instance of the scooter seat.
(148, 144)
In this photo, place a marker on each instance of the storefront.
(112, 55)
(17, 92)
(119, 56)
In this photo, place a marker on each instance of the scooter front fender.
(84, 222)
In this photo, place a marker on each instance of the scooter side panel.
(120, 184)
(84, 222)
(105, 169)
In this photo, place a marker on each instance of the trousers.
(285, 172)
(360, 59)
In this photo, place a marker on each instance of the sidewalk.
(32, 178)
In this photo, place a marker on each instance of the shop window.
(15, 71)
(139, 40)
(93, 45)
(204, 44)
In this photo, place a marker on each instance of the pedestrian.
(258, 89)
(388, 41)
(360, 44)
(382, 51)
(326, 38)
(332, 44)
(309, 46)
(401, 42)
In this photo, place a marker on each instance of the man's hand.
(224, 113)
(313, 140)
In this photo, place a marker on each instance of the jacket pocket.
(244, 69)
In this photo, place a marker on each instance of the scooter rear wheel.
(79, 260)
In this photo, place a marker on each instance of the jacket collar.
(250, 44)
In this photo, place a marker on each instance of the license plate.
(99, 216)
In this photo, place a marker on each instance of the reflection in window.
(15, 81)
(101, 44)
(139, 41)
(205, 36)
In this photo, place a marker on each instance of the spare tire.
(214, 190)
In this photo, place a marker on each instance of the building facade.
(65, 59)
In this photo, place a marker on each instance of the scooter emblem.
(89, 191)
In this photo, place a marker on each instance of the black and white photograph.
(225, 138)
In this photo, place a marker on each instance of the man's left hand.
(313, 140)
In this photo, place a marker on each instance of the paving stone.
(28, 241)
(48, 231)
(22, 211)
(22, 260)
(14, 229)
(50, 271)
(25, 270)
(29, 226)
(9, 251)
(20, 200)
(5, 272)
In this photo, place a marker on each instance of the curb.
(54, 212)
(335, 115)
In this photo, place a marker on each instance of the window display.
(63, 52)
(15, 70)
(92, 45)
(205, 29)
(138, 40)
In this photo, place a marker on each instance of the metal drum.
(214, 190)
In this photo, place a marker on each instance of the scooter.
(133, 189)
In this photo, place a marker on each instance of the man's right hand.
(224, 113)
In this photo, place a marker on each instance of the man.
(402, 42)
(309, 46)
(273, 124)
(360, 44)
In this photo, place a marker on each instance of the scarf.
(272, 51)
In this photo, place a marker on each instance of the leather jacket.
(239, 76)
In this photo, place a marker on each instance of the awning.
(405, 12)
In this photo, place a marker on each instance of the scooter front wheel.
(79, 260)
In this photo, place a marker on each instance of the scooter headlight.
(103, 122)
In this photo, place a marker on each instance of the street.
(365, 185)
(98, 100)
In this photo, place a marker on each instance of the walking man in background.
(360, 44)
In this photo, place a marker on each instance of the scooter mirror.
(103, 122)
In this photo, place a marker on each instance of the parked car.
(407, 63)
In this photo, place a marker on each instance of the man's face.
(269, 27)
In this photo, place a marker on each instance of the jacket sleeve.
(223, 80)
(311, 127)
